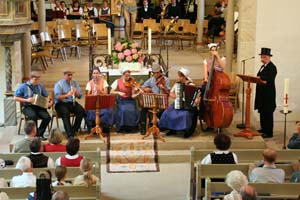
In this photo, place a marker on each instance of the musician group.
(127, 115)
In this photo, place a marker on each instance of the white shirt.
(207, 158)
(80, 11)
(27, 179)
(88, 85)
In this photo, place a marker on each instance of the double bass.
(218, 108)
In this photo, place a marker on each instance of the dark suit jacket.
(265, 98)
(173, 11)
(142, 14)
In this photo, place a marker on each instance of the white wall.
(277, 27)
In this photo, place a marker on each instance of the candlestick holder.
(284, 129)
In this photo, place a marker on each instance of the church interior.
(163, 164)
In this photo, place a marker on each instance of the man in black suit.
(173, 10)
(145, 12)
(265, 99)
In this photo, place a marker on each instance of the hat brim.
(265, 54)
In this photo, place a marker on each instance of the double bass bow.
(218, 109)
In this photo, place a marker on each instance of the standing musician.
(24, 94)
(219, 65)
(98, 85)
(158, 84)
(179, 119)
(66, 91)
(128, 115)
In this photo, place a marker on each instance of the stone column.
(8, 66)
(200, 18)
(41, 16)
(229, 34)
(26, 53)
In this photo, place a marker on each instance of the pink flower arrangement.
(125, 51)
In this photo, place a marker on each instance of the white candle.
(109, 41)
(149, 40)
(286, 95)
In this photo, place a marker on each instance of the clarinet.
(73, 96)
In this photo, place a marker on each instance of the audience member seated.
(75, 9)
(105, 17)
(71, 159)
(22, 146)
(27, 179)
(268, 173)
(173, 10)
(60, 173)
(235, 180)
(145, 12)
(55, 138)
(44, 189)
(87, 178)
(222, 155)
(36, 156)
(295, 177)
(91, 10)
(216, 25)
(184, 119)
(294, 142)
(158, 10)
(248, 192)
(3, 196)
(60, 195)
(64, 9)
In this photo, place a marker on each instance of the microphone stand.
(242, 125)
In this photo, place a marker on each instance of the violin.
(132, 84)
(162, 81)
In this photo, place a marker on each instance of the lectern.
(247, 133)
(97, 102)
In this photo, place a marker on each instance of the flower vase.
(132, 66)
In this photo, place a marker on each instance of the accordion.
(185, 96)
(40, 101)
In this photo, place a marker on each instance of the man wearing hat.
(25, 93)
(66, 91)
(265, 98)
(158, 84)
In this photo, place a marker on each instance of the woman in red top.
(55, 139)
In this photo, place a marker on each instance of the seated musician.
(24, 94)
(66, 91)
(75, 9)
(127, 116)
(219, 65)
(179, 119)
(98, 85)
(91, 10)
(158, 84)
(105, 16)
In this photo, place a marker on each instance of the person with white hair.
(235, 180)
(60, 195)
(127, 115)
(179, 119)
(27, 179)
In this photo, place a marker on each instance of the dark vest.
(91, 12)
(39, 160)
(222, 158)
(104, 12)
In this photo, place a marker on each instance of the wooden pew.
(72, 172)
(221, 170)
(244, 156)
(75, 192)
(264, 190)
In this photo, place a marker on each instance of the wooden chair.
(51, 29)
(101, 33)
(49, 45)
(138, 33)
(188, 33)
(65, 38)
(234, 90)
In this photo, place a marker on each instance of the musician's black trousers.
(64, 110)
(34, 113)
(266, 122)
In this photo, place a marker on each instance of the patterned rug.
(131, 155)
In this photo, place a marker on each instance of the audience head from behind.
(60, 195)
(73, 146)
(269, 156)
(30, 128)
(248, 192)
(55, 136)
(222, 142)
(236, 180)
(36, 145)
(60, 173)
(24, 164)
(87, 178)
(43, 186)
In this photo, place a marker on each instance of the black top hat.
(265, 51)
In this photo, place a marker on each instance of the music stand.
(154, 129)
(97, 102)
(247, 133)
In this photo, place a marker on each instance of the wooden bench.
(264, 190)
(243, 155)
(75, 192)
(72, 172)
(221, 170)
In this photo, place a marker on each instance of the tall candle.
(109, 41)
(286, 96)
(149, 40)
